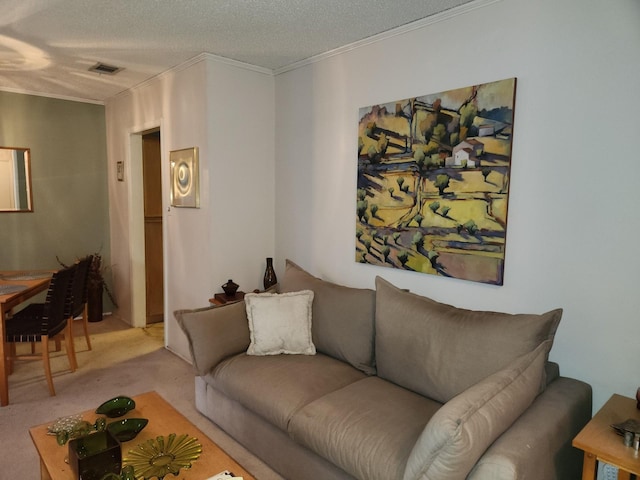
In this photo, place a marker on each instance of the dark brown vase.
(270, 278)
(230, 288)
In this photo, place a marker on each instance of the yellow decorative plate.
(161, 456)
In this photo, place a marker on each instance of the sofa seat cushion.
(277, 386)
(438, 350)
(367, 428)
(343, 317)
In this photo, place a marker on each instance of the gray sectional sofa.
(323, 381)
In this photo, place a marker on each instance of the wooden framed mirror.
(15, 180)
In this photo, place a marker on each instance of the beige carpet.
(124, 361)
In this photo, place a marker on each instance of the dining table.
(16, 287)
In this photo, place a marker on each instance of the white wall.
(573, 220)
(226, 110)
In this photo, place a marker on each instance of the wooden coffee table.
(163, 420)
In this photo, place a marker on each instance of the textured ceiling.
(47, 46)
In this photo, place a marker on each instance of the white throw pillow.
(280, 323)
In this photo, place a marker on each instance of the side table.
(601, 443)
(223, 298)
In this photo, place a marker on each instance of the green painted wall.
(70, 215)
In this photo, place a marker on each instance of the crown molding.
(191, 62)
(237, 64)
(22, 91)
(409, 27)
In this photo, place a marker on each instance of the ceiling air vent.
(104, 68)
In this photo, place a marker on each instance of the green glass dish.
(159, 457)
(127, 429)
(116, 407)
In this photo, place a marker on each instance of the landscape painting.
(433, 182)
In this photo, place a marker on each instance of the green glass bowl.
(116, 407)
(127, 429)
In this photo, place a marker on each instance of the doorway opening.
(153, 237)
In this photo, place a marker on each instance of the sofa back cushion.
(343, 317)
(214, 333)
(439, 350)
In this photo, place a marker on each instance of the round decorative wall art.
(184, 178)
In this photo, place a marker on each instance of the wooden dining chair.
(77, 308)
(42, 322)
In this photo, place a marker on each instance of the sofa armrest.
(214, 333)
(463, 428)
(538, 444)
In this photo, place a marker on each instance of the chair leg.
(85, 324)
(69, 345)
(11, 358)
(47, 364)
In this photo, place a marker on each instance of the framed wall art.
(185, 188)
(433, 182)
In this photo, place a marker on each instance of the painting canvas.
(433, 182)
